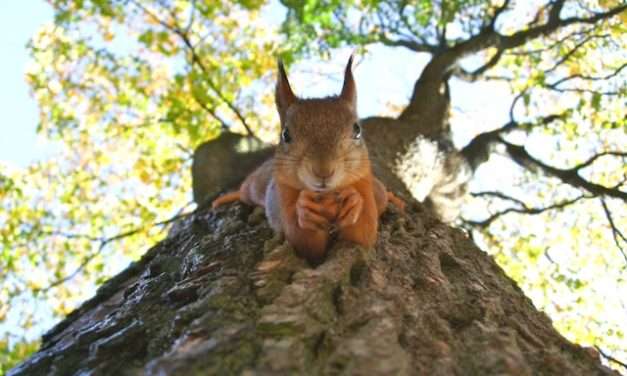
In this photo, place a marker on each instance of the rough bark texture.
(223, 295)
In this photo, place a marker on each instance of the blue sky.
(18, 21)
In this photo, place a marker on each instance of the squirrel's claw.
(396, 201)
(326, 206)
(351, 207)
(310, 214)
(308, 220)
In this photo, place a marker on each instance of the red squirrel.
(320, 177)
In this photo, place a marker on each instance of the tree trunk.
(223, 295)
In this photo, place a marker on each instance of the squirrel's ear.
(349, 90)
(284, 96)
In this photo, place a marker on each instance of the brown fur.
(320, 174)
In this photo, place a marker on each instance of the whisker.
(286, 159)
(345, 154)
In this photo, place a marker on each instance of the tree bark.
(224, 295)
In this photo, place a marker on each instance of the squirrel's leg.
(382, 196)
(225, 199)
(273, 207)
(253, 189)
(398, 202)
(358, 218)
(303, 222)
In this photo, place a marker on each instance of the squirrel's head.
(321, 146)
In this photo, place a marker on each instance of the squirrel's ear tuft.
(284, 95)
(349, 90)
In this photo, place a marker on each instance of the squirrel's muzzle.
(323, 172)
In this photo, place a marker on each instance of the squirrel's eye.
(356, 131)
(285, 136)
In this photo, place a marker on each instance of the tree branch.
(192, 15)
(404, 40)
(473, 76)
(610, 358)
(102, 242)
(597, 156)
(409, 44)
(198, 62)
(616, 233)
(554, 85)
(497, 13)
(573, 50)
(524, 210)
(569, 176)
(489, 37)
(555, 43)
(478, 149)
(554, 23)
(500, 195)
(224, 125)
(442, 65)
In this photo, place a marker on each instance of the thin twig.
(500, 195)
(103, 242)
(198, 62)
(569, 176)
(526, 210)
(616, 233)
(587, 78)
(592, 159)
(610, 358)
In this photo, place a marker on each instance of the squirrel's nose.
(323, 173)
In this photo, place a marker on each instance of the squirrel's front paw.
(311, 214)
(352, 204)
